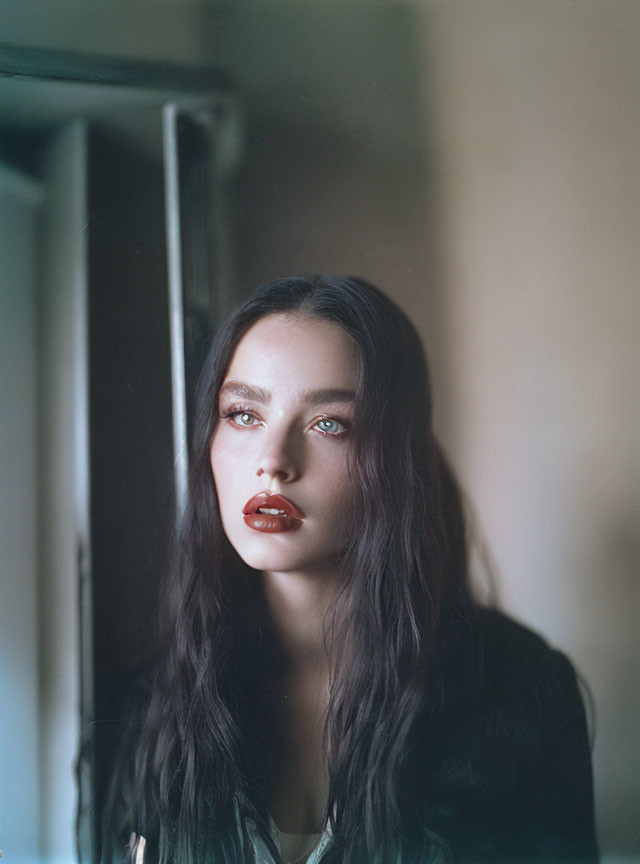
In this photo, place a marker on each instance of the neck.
(297, 605)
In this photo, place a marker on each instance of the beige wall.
(480, 161)
(538, 145)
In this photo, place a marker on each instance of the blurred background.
(479, 162)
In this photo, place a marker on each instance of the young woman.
(329, 691)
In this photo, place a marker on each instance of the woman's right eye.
(243, 418)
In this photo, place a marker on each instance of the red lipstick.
(271, 513)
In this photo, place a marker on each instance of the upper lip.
(274, 502)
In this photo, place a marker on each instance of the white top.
(286, 843)
(317, 844)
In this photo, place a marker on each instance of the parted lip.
(273, 502)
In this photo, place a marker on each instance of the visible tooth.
(270, 511)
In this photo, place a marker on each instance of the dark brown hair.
(201, 769)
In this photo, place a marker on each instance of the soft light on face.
(286, 407)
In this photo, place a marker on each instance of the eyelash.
(235, 410)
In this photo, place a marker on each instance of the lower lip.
(268, 524)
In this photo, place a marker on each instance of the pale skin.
(286, 406)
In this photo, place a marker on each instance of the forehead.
(297, 351)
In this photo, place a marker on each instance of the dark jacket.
(500, 764)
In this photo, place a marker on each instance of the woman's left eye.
(330, 426)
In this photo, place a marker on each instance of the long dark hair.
(201, 768)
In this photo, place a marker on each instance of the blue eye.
(243, 418)
(330, 426)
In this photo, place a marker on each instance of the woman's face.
(286, 407)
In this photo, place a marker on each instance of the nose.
(281, 456)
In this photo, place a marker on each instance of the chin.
(282, 553)
(263, 555)
(266, 561)
(278, 560)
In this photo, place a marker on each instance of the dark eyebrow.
(245, 391)
(313, 397)
(319, 397)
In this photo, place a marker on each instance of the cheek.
(223, 466)
(233, 459)
(334, 483)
